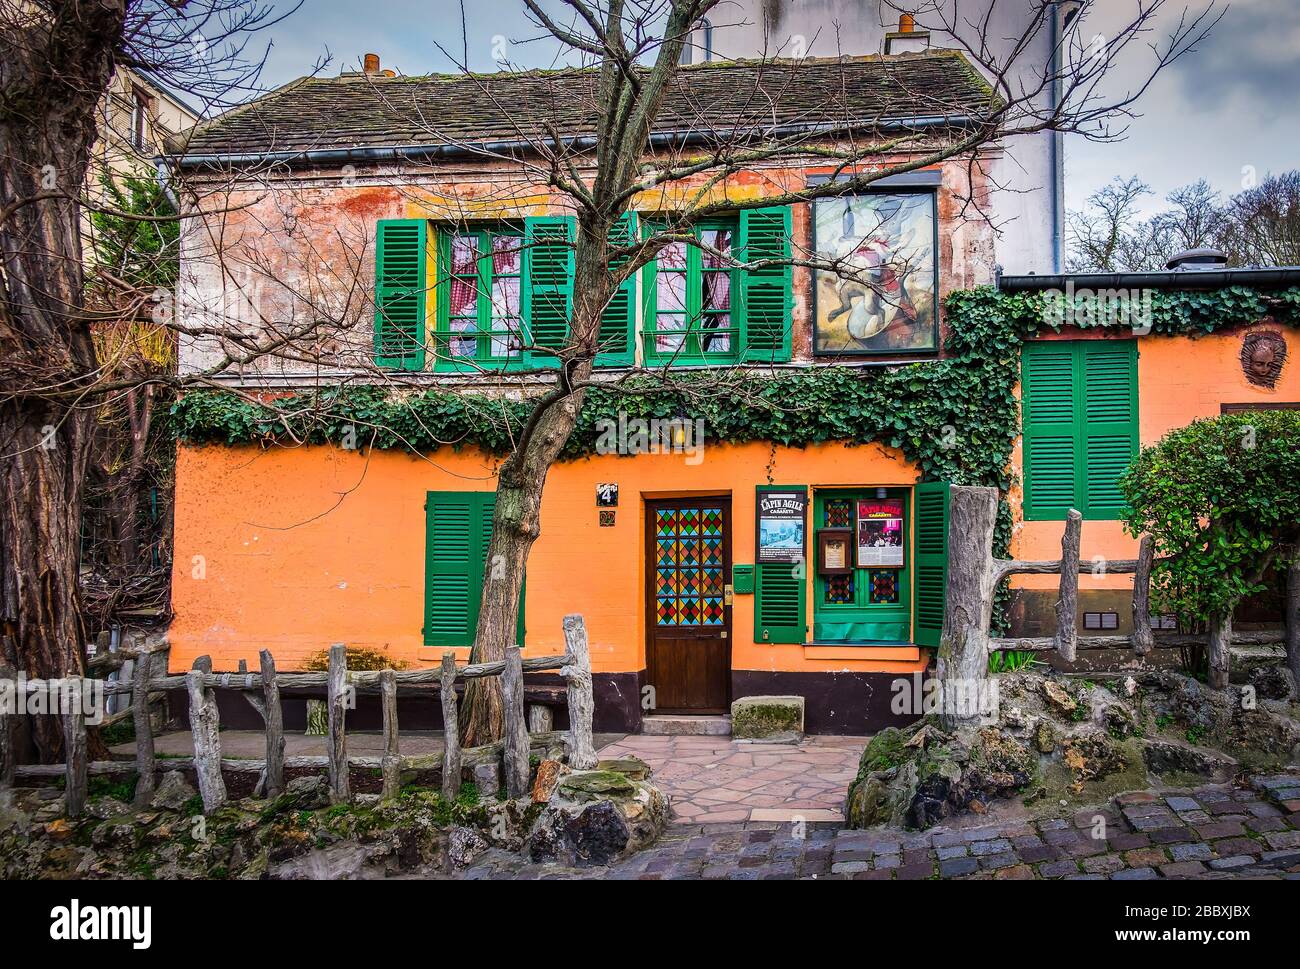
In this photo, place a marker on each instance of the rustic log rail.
(974, 576)
(341, 686)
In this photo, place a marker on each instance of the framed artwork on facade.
(884, 298)
(880, 533)
(833, 556)
(781, 515)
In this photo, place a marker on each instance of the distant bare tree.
(1263, 223)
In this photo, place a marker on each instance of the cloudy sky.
(1229, 108)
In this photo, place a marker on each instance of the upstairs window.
(689, 318)
(480, 315)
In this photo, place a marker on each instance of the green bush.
(1221, 499)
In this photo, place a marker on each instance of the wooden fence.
(974, 576)
(341, 686)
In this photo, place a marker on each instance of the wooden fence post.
(273, 717)
(1291, 617)
(340, 787)
(74, 749)
(582, 704)
(1220, 641)
(451, 760)
(973, 576)
(1144, 639)
(145, 761)
(6, 735)
(205, 727)
(392, 763)
(516, 738)
(1067, 604)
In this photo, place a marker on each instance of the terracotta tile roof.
(727, 97)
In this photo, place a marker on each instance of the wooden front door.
(688, 618)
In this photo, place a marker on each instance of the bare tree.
(1263, 223)
(56, 62)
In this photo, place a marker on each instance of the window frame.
(649, 332)
(485, 277)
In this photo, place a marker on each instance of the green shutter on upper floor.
(1080, 419)
(618, 322)
(401, 267)
(547, 298)
(767, 297)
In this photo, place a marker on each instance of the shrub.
(1221, 499)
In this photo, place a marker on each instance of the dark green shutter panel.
(619, 319)
(767, 296)
(1109, 425)
(548, 282)
(400, 293)
(780, 607)
(1050, 416)
(453, 566)
(489, 505)
(931, 561)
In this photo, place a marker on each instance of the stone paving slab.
(1019, 849)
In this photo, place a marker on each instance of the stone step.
(663, 725)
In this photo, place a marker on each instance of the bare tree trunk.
(963, 661)
(57, 70)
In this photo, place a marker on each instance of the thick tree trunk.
(57, 69)
(963, 661)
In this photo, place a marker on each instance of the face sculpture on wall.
(1262, 355)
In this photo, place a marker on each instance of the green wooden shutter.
(767, 295)
(548, 283)
(931, 562)
(487, 510)
(453, 567)
(1049, 405)
(400, 293)
(618, 322)
(780, 589)
(1109, 428)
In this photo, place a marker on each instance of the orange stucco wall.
(1180, 379)
(295, 548)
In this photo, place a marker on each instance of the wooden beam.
(1067, 603)
(582, 704)
(205, 728)
(7, 745)
(74, 750)
(146, 778)
(1162, 640)
(973, 578)
(1143, 637)
(516, 735)
(392, 745)
(451, 762)
(337, 699)
(273, 717)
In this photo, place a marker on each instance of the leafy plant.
(358, 658)
(1012, 660)
(1221, 498)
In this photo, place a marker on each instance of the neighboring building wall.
(1028, 173)
(1180, 379)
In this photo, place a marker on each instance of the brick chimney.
(371, 64)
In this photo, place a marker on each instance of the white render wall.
(828, 28)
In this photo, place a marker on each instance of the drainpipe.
(1055, 145)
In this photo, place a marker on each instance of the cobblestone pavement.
(719, 780)
(1208, 833)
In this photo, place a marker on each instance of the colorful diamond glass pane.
(838, 513)
(884, 586)
(839, 590)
